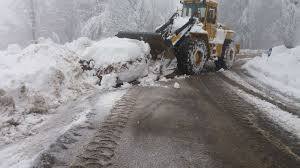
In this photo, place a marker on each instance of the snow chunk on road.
(177, 85)
(281, 70)
(126, 58)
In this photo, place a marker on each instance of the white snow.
(286, 120)
(164, 79)
(22, 154)
(179, 22)
(127, 58)
(198, 28)
(234, 76)
(80, 45)
(42, 90)
(150, 81)
(36, 80)
(177, 85)
(281, 70)
(115, 50)
(251, 52)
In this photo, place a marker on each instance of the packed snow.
(34, 82)
(280, 71)
(115, 50)
(42, 84)
(23, 153)
(251, 52)
(179, 22)
(198, 28)
(126, 59)
(234, 76)
(286, 120)
(176, 85)
(39, 80)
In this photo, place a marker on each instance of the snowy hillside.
(281, 70)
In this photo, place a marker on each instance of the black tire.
(191, 56)
(228, 56)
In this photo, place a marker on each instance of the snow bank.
(40, 84)
(46, 68)
(281, 70)
(286, 120)
(251, 52)
(38, 79)
(34, 81)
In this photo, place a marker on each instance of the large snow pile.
(126, 59)
(36, 80)
(33, 81)
(281, 70)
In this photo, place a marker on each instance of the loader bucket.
(155, 40)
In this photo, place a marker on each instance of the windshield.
(193, 9)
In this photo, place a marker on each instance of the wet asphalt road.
(204, 124)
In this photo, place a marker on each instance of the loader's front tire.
(191, 56)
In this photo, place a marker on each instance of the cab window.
(187, 12)
(212, 16)
(201, 12)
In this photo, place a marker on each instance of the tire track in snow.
(282, 106)
(262, 133)
(100, 151)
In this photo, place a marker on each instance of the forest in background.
(259, 24)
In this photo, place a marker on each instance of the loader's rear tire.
(228, 56)
(191, 56)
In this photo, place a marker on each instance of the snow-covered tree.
(32, 13)
(258, 24)
(137, 15)
(288, 23)
(93, 27)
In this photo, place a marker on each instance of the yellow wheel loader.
(193, 36)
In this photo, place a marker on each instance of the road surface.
(203, 124)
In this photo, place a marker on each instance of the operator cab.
(198, 8)
(194, 8)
